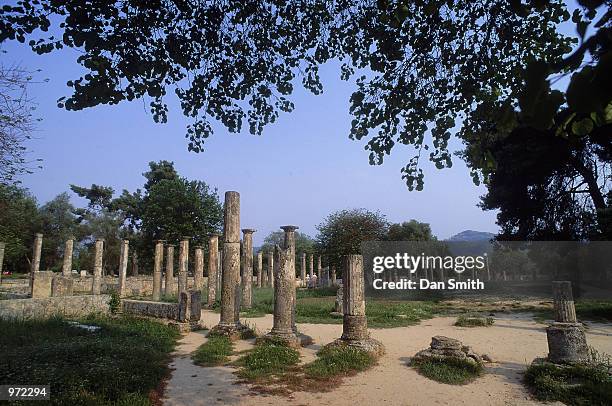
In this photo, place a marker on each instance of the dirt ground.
(513, 342)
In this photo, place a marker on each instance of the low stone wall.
(41, 308)
(135, 285)
(158, 310)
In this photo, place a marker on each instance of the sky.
(300, 170)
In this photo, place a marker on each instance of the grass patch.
(266, 359)
(453, 371)
(575, 385)
(124, 362)
(338, 361)
(214, 352)
(474, 320)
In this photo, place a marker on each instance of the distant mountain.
(471, 235)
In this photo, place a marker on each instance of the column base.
(369, 345)
(232, 331)
(566, 343)
(290, 339)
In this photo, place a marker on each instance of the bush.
(454, 371)
(335, 361)
(213, 352)
(114, 304)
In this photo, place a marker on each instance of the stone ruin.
(566, 339)
(442, 348)
(354, 322)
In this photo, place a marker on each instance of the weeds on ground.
(214, 352)
(474, 320)
(453, 371)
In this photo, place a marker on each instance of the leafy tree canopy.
(342, 232)
(419, 66)
(412, 230)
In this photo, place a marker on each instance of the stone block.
(41, 284)
(62, 286)
(566, 343)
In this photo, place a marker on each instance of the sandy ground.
(513, 342)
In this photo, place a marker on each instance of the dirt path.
(512, 342)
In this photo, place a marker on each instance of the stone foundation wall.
(41, 308)
(135, 285)
(158, 310)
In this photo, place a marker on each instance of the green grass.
(474, 320)
(594, 310)
(572, 385)
(267, 358)
(215, 351)
(122, 363)
(453, 371)
(337, 361)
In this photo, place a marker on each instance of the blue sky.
(301, 169)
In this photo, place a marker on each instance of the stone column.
(213, 268)
(97, 271)
(319, 273)
(271, 269)
(123, 263)
(334, 282)
(354, 324)
(67, 265)
(157, 269)
(229, 324)
(563, 300)
(2, 248)
(247, 269)
(170, 288)
(566, 339)
(259, 270)
(303, 269)
(284, 327)
(198, 273)
(311, 270)
(36, 253)
(220, 272)
(183, 265)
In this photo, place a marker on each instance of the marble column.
(198, 273)
(284, 327)
(271, 269)
(123, 263)
(354, 325)
(2, 248)
(97, 271)
(259, 268)
(229, 324)
(319, 271)
(303, 269)
(334, 281)
(213, 268)
(37, 252)
(67, 265)
(183, 266)
(157, 269)
(247, 268)
(566, 338)
(311, 270)
(170, 288)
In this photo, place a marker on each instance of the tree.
(418, 65)
(412, 230)
(58, 223)
(16, 122)
(303, 243)
(342, 232)
(18, 224)
(168, 208)
(546, 158)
